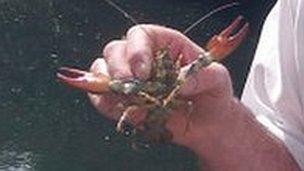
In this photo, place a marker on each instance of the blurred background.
(46, 126)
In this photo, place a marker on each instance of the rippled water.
(45, 126)
(12, 160)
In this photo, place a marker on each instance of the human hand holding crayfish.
(199, 89)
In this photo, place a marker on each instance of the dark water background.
(45, 126)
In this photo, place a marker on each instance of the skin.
(222, 132)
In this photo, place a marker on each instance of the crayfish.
(159, 93)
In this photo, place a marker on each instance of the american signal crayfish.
(159, 93)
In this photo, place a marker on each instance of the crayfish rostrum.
(159, 93)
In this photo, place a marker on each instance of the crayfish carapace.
(159, 93)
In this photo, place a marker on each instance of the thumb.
(214, 78)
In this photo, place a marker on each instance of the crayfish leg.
(171, 96)
(124, 117)
(149, 98)
(178, 62)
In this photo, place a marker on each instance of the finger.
(106, 103)
(145, 40)
(115, 56)
(214, 77)
(175, 41)
(111, 105)
(99, 66)
(139, 51)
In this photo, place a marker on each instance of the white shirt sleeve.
(274, 90)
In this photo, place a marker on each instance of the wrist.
(239, 142)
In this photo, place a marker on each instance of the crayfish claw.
(235, 40)
(228, 31)
(87, 81)
(223, 44)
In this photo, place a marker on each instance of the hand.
(222, 131)
(210, 89)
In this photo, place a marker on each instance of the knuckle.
(111, 47)
(137, 28)
(99, 66)
(137, 55)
